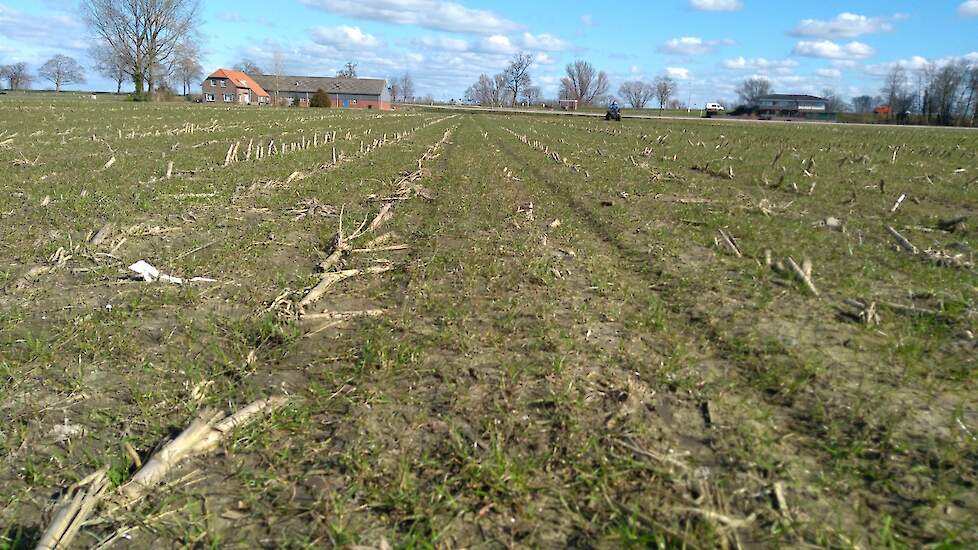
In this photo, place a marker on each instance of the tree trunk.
(137, 81)
(118, 86)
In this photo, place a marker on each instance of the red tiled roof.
(240, 80)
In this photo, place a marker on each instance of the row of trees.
(582, 83)
(402, 87)
(939, 93)
(508, 87)
(638, 93)
(60, 70)
(147, 41)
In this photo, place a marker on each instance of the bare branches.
(583, 83)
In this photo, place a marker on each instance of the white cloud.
(344, 37)
(759, 64)
(692, 45)
(918, 62)
(431, 14)
(443, 43)
(829, 73)
(827, 49)
(18, 26)
(846, 25)
(679, 73)
(498, 43)
(716, 5)
(543, 42)
(969, 8)
(501, 44)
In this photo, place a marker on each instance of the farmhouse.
(798, 106)
(228, 86)
(349, 93)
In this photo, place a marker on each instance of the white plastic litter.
(149, 273)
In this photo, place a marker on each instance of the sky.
(708, 46)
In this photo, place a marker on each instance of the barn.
(793, 105)
(348, 93)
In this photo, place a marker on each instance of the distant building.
(347, 93)
(227, 86)
(793, 106)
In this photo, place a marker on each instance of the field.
(485, 330)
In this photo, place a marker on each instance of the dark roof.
(362, 86)
(792, 97)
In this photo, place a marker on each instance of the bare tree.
(583, 83)
(517, 75)
(972, 107)
(348, 71)
(532, 94)
(485, 91)
(895, 90)
(833, 102)
(945, 89)
(109, 64)
(637, 93)
(278, 75)
(394, 85)
(248, 67)
(863, 104)
(186, 66)
(753, 88)
(665, 88)
(406, 86)
(16, 75)
(61, 70)
(144, 33)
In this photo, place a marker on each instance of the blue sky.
(709, 46)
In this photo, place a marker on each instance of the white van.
(714, 108)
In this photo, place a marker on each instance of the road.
(471, 108)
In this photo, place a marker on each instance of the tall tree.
(517, 75)
(896, 90)
(484, 92)
(144, 33)
(186, 66)
(61, 70)
(406, 86)
(532, 94)
(278, 76)
(348, 71)
(637, 93)
(945, 89)
(17, 76)
(109, 64)
(752, 89)
(863, 104)
(665, 88)
(583, 83)
(833, 102)
(248, 67)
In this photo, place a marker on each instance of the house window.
(209, 97)
(353, 101)
(224, 83)
(229, 98)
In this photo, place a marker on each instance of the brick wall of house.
(213, 86)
